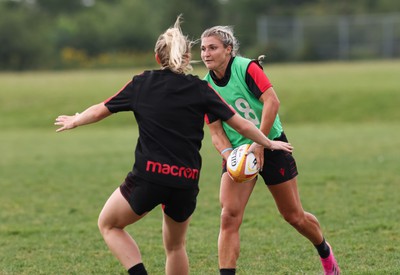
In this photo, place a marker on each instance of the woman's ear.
(158, 59)
(229, 50)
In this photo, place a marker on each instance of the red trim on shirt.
(259, 77)
(206, 119)
(108, 99)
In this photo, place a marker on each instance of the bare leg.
(233, 198)
(174, 236)
(116, 214)
(289, 205)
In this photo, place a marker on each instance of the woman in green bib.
(242, 83)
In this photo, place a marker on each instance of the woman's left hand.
(258, 151)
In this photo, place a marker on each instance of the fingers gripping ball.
(242, 167)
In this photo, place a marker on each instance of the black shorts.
(143, 196)
(279, 166)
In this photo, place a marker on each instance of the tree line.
(58, 34)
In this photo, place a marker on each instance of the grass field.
(342, 118)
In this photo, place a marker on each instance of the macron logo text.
(173, 170)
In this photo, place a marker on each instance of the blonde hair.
(225, 35)
(173, 49)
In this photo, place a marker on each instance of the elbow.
(215, 141)
(276, 105)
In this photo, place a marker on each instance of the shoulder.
(241, 61)
(254, 67)
(241, 64)
(142, 76)
(192, 77)
(246, 63)
(197, 83)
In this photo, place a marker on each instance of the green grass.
(341, 118)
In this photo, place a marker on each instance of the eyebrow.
(210, 45)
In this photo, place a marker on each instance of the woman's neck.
(220, 72)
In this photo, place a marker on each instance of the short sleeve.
(256, 79)
(123, 100)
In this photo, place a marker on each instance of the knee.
(295, 218)
(104, 225)
(174, 247)
(230, 221)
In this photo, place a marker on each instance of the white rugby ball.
(242, 167)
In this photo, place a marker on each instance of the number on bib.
(248, 113)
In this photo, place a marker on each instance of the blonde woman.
(242, 83)
(170, 107)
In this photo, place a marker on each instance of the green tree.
(24, 40)
(56, 7)
(34, 33)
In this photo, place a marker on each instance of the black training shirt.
(169, 109)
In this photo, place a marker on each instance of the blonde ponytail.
(173, 49)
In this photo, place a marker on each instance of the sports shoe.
(330, 265)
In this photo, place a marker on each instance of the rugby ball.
(242, 167)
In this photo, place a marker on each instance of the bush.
(24, 41)
(72, 58)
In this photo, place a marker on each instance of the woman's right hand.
(281, 145)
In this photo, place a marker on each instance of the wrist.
(226, 150)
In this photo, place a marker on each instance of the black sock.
(137, 270)
(323, 249)
(227, 271)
